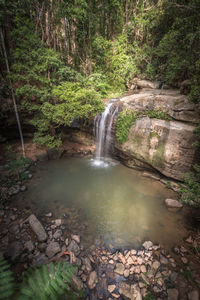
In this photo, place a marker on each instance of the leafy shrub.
(125, 120)
(190, 194)
(156, 113)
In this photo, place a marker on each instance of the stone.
(119, 268)
(163, 260)
(146, 83)
(58, 222)
(172, 294)
(87, 264)
(131, 292)
(126, 273)
(92, 280)
(189, 240)
(111, 288)
(52, 249)
(143, 269)
(40, 259)
(67, 242)
(147, 245)
(57, 234)
(77, 283)
(74, 247)
(184, 260)
(193, 295)
(49, 215)
(42, 246)
(173, 205)
(23, 188)
(29, 246)
(156, 265)
(37, 228)
(76, 238)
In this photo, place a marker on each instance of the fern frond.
(7, 285)
(47, 282)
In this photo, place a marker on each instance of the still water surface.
(114, 204)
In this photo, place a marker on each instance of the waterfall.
(103, 131)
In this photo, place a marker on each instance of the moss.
(154, 133)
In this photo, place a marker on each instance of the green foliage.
(125, 120)
(190, 193)
(156, 113)
(48, 282)
(7, 285)
(17, 164)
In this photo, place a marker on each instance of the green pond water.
(111, 204)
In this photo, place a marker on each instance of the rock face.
(164, 145)
(37, 228)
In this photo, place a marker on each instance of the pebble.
(92, 280)
(111, 288)
(184, 260)
(52, 249)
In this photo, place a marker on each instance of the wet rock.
(14, 250)
(111, 288)
(76, 238)
(57, 234)
(74, 247)
(77, 283)
(147, 245)
(37, 228)
(173, 205)
(92, 280)
(29, 246)
(131, 292)
(119, 269)
(172, 294)
(52, 249)
(193, 295)
(55, 153)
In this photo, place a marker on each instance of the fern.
(7, 284)
(48, 282)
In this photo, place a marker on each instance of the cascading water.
(103, 132)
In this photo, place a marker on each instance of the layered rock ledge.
(163, 145)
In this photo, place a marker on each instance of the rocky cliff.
(163, 145)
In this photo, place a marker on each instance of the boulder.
(146, 83)
(169, 101)
(52, 249)
(37, 228)
(166, 146)
(173, 205)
